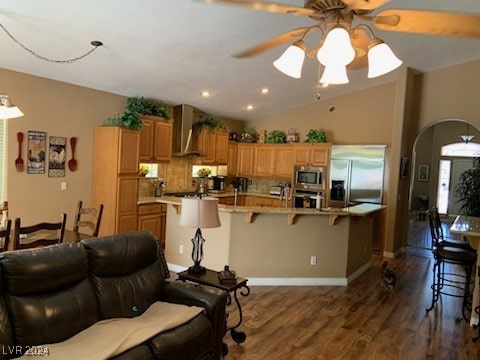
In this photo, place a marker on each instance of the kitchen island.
(278, 245)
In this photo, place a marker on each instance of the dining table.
(469, 227)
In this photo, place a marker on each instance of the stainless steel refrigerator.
(356, 174)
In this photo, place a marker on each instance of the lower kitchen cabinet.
(230, 200)
(153, 217)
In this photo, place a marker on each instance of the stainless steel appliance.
(356, 174)
(219, 183)
(309, 178)
(308, 199)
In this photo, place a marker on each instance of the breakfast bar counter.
(278, 245)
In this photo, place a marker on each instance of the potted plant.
(249, 135)
(136, 107)
(210, 123)
(468, 190)
(276, 137)
(316, 136)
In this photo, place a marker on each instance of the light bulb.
(337, 48)
(291, 61)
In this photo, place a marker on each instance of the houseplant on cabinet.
(136, 107)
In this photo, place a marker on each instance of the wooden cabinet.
(153, 217)
(156, 139)
(312, 154)
(245, 159)
(264, 163)
(284, 162)
(232, 159)
(213, 146)
(115, 178)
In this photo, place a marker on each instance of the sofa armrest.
(211, 299)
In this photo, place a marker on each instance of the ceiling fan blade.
(428, 22)
(364, 4)
(288, 36)
(269, 6)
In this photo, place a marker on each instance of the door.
(458, 167)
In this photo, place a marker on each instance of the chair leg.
(436, 284)
(467, 294)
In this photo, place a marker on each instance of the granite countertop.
(357, 210)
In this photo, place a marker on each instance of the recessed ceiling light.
(206, 93)
(249, 107)
(265, 91)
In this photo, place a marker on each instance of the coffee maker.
(218, 183)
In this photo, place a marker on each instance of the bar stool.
(450, 283)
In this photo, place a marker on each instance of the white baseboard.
(359, 272)
(176, 268)
(297, 282)
(293, 281)
(393, 255)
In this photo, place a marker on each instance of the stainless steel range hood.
(182, 131)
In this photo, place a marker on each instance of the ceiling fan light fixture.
(381, 59)
(335, 75)
(467, 138)
(7, 109)
(291, 61)
(337, 48)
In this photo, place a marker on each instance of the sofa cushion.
(48, 292)
(140, 352)
(190, 341)
(127, 272)
(6, 336)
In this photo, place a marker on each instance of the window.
(461, 149)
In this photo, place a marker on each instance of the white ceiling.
(171, 50)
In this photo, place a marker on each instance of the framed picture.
(36, 152)
(56, 156)
(423, 172)
(403, 167)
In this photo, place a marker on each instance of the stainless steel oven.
(309, 178)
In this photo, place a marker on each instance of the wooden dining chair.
(37, 235)
(91, 218)
(5, 235)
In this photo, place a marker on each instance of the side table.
(210, 278)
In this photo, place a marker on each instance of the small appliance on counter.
(242, 184)
(308, 200)
(276, 190)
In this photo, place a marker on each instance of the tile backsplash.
(178, 177)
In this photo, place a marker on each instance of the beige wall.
(59, 109)
(362, 117)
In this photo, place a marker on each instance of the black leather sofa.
(50, 294)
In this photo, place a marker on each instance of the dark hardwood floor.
(361, 321)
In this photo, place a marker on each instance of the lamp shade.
(199, 213)
(7, 109)
(335, 75)
(337, 48)
(291, 61)
(381, 59)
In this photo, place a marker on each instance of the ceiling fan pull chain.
(94, 43)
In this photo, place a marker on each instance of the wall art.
(36, 147)
(56, 156)
(423, 171)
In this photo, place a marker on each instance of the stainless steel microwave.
(310, 178)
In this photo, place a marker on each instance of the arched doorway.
(439, 156)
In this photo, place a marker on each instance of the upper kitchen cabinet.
(311, 154)
(232, 159)
(245, 159)
(284, 162)
(156, 139)
(264, 163)
(212, 144)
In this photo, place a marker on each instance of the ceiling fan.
(345, 44)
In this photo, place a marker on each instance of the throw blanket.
(111, 337)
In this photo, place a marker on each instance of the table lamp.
(199, 213)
